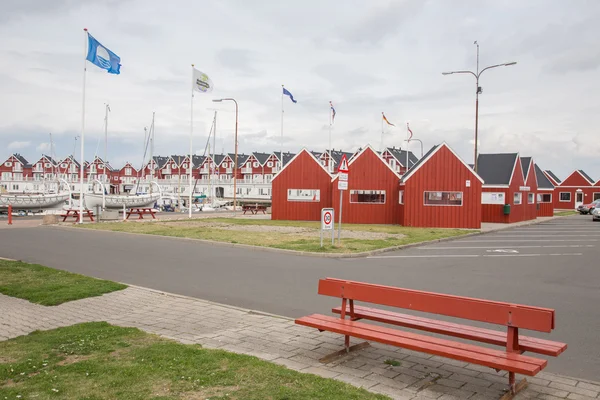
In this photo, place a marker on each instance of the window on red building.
(443, 198)
(367, 196)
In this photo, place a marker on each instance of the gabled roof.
(360, 153)
(179, 159)
(22, 160)
(71, 159)
(496, 169)
(289, 157)
(107, 164)
(53, 161)
(218, 159)
(552, 175)
(430, 154)
(337, 155)
(316, 154)
(261, 157)
(198, 160)
(400, 156)
(160, 161)
(587, 177)
(542, 180)
(525, 163)
(242, 158)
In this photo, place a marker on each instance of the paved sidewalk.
(279, 340)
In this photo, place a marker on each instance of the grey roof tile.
(542, 180)
(496, 169)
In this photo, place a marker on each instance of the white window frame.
(530, 198)
(560, 197)
(517, 196)
(372, 192)
(442, 205)
(304, 195)
(270, 164)
(255, 164)
(8, 164)
(540, 198)
(401, 197)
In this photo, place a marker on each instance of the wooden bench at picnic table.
(254, 209)
(513, 316)
(74, 213)
(140, 212)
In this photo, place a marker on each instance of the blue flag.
(103, 57)
(287, 93)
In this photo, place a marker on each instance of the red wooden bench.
(140, 212)
(74, 213)
(513, 316)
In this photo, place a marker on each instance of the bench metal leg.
(346, 350)
(514, 389)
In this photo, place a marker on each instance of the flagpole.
(281, 153)
(381, 145)
(330, 121)
(407, 140)
(82, 166)
(191, 145)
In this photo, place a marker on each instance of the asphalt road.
(554, 264)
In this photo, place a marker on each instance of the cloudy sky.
(366, 57)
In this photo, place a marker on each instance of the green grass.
(201, 229)
(47, 286)
(393, 363)
(97, 361)
(565, 213)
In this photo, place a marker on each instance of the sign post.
(327, 218)
(342, 185)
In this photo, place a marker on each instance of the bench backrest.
(507, 314)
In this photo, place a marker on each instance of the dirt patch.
(161, 389)
(72, 360)
(283, 230)
(214, 391)
(9, 383)
(7, 360)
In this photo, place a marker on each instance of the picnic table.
(140, 212)
(254, 208)
(74, 213)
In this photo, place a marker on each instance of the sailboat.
(118, 201)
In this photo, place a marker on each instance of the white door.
(578, 199)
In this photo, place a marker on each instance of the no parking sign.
(326, 222)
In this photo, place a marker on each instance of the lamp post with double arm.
(477, 75)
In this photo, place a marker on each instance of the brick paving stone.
(390, 391)
(574, 396)
(548, 390)
(573, 389)
(325, 373)
(589, 386)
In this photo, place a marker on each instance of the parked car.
(588, 208)
(596, 214)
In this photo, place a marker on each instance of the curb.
(363, 254)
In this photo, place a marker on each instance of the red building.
(44, 168)
(373, 190)
(440, 190)
(505, 185)
(69, 169)
(16, 168)
(530, 190)
(126, 177)
(301, 189)
(545, 205)
(577, 189)
(397, 158)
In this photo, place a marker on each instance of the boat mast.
(106, 142)
(214, 150)
(152, 153)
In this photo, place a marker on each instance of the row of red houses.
(439, 190)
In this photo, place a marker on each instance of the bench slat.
(526, 343)
(459, 351)
(507, 314)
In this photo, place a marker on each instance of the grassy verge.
(565, 213)
(96, 361)
(47, 286)
(205, 229)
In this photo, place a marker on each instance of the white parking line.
(477, 255)
(537, 235)
(512, 247)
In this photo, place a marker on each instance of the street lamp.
(478, 90)
(235, 162)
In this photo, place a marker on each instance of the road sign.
(343, 176)
(343, 164)
(327, 219)
(342, 185)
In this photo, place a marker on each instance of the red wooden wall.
(546, 209)
(303, 172)
(520, 212)
(442, 172)
(574, 182)
(529, 211)
(369, 172)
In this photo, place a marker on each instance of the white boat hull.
(118, 201)
(32, 202)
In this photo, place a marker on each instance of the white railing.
(246, 170)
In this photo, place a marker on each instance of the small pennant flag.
(411, 134)
(288, 93)
(386, 120)
(332, 112)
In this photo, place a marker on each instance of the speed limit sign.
(327, 219)
(327, 223)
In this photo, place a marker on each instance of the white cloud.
(43, 148)
(16, 145)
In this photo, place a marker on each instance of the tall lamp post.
(478, 90)
(235, 162)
